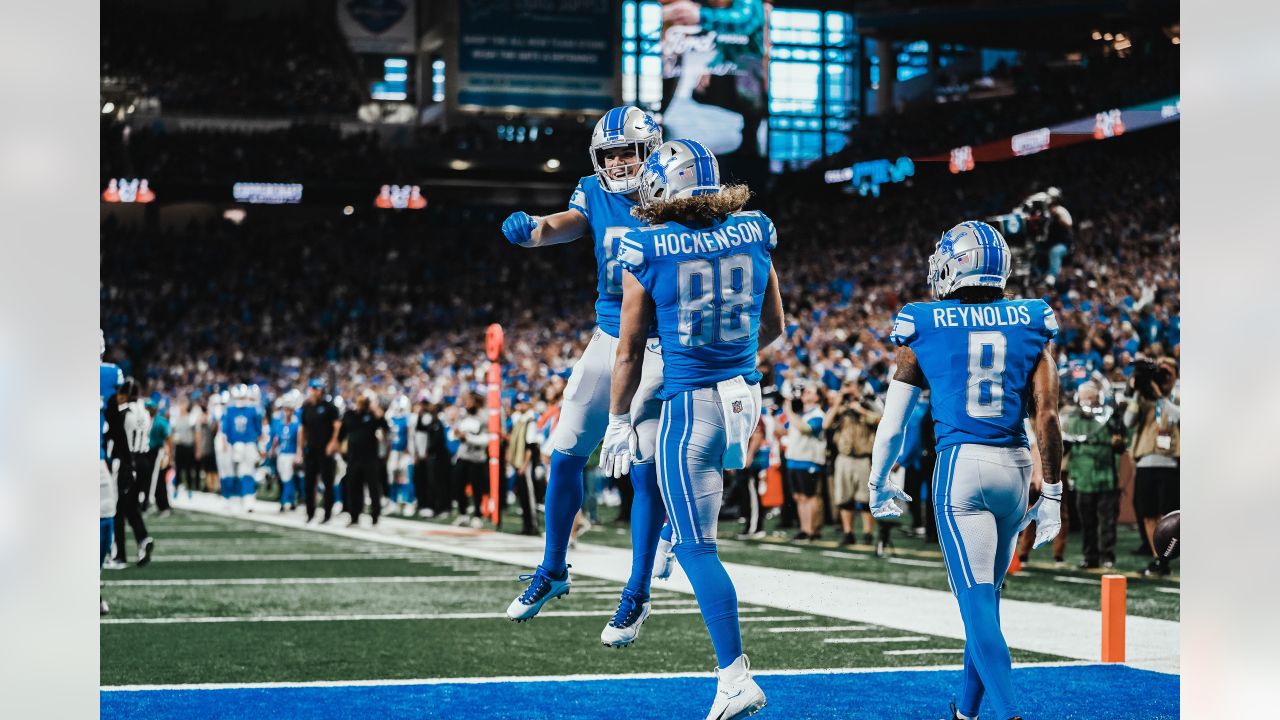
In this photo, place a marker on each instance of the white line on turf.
(780, 548)
(396, 617)
(775, 618)
(1175, 591)
(915, 563)
(290, 557)
(926, 651)
(357, 580)
(1076, 580)
(848, 641)
(550, 678)
(846, 555)
(828, 628)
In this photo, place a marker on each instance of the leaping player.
(600, 208)
(987, 363)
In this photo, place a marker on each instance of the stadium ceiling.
(1060, 25)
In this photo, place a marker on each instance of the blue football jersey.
(610, 217)
(399, 433)
(109, 378)
(241, 424)
(977, 359)
(286, 433)
(708, 289)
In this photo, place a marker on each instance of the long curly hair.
(698, 210)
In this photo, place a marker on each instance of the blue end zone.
(1113, 692)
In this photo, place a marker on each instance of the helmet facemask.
(624, 178)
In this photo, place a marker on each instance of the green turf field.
(233, 600)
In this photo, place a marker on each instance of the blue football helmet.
(971, 254)
(679, 169)
(626, 126)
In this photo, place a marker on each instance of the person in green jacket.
(1094, 438)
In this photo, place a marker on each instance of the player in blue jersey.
(112, 452)
(399, 459)
(600, 208)
(242, 425)
(284, 446)
(988, 365)
(702, 268)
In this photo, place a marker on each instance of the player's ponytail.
(698, 210)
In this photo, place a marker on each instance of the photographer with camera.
(854, 414)
(1048, 231)
(1156, 443)
(1093, 438)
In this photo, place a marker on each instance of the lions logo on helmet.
(622, 127)
(679, 169)
(971, 254)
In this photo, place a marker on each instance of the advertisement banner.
(537, 54)
(715, 74)
(378, 26)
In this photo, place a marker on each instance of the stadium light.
(1177, 40)
(459, 164)
(553, 164)
(348, 210)
(1097, 35)
(108, 108)
(1108, 37)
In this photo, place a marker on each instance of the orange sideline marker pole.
(1113, 617)
(1015, 565)
(493, 340)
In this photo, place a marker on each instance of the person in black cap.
(359, 428)
(318, 441)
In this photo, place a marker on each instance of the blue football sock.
(286, 491)
(224, 486)
(248, 487)
(986, 651)
(647, 514)
(564, 499)
(716, 596)
(665, 534)
(106, 530)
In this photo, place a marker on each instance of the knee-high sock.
(248, 487)
(986, 650)
(224, 486)
(286, 492)
(106, 533)
(716, 596)
(666, 532)
(972, 690)
(564, 499)
(647, 514)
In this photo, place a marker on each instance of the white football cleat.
(624, 628)
(737, 695)
(114, 564)
(542, 589)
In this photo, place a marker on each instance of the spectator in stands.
(1093, 434)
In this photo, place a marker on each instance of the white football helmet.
(400, 406)
(971, 254)
(240, 394)
(679, 169)
(622, 127)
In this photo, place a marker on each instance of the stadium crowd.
(372, 303)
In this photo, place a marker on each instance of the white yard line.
(846, 555)
(355, 580)
(775, 618)
(1076, 580)
(547, 678)
(1075, 633)
(290, 557)
(926, 651)
(914, 563)
(397, 617)
(849, 641)
(829, 628)
(1172, 590)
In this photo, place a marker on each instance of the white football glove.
(1047, 514)
(619, 446)
(883, 494)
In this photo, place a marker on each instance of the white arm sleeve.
(898, 404)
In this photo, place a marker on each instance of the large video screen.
(714, 74)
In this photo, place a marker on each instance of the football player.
(284, 445)
(242, 425)
(988, 364)
(703, 269)
(398, 457)
(111, 447)
(600, 208)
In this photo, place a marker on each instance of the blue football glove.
(518, 228)
(883, 494)
(1046, 513)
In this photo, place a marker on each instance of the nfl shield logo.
(737, 406)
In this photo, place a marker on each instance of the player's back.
(242, 424)
(399, 433)
(978, 359)
(708, 287)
